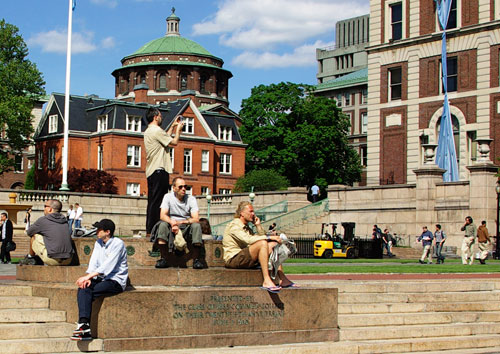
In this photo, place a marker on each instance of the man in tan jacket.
(483, 239)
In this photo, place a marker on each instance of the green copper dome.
(171, 44)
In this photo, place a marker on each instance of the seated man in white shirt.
(107, 274)
(179, 209)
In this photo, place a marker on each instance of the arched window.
(183, 82)
(162, 82)
(203, 83)
(221, 85)
(140, 78)
(456, 134)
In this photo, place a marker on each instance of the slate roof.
(356, 77)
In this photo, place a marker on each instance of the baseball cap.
(105, 224)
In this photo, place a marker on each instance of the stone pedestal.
(425, 198)
(482, 194)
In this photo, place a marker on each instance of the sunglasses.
(182, 186)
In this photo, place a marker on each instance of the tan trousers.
(41, 251)
(427, 253)
(483, 247)
(467, 255)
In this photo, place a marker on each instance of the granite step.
(421, 286)
(28, 315)
(19, 302)
(49, 345)
(355, 320)
(419, 331)
(15, 290)
(35, 330)
(350, 298)
(382, 308)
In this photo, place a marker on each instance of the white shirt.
(79, 213)
(4, 229)
(71, 214)
(110, 260)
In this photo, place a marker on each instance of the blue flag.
(74, 5)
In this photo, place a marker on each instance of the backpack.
(280, 254)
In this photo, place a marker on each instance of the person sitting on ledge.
(179, 209)
(107, 274)
(244, 249)
(50, 241)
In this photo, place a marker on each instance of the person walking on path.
(158, 162)
(468, 242)
(78, 216)
(107, 274)
(483, 241)
(426, 239)
(440, 237)
(315, 193)
(7, 233)
(71, 213)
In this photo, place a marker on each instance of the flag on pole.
(74, 5)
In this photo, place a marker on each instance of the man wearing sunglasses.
(50, 242)
(179, 210)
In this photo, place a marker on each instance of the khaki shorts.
(40, 250)
(242, 260)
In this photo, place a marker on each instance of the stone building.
(404, 83)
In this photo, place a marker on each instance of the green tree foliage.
(298, 135)
(261, 180)
(29, 182)
(91, 181)
(21, 85)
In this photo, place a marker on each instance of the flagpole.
(64, 184)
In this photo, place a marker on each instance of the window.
(452, 68)
(452, 19)
(133, 189)
(339, 99)
(364, 156)
(224, 191)
(183, 83)
(99, 157)
(395, 83)
(225, 163)
(364, 123)
(133, 123)
(205, 155)
(133, 156)
(53, 123)
(203, 84)
(347, 98)
(140, 78)
(188, 127)
(171, 152)
(364, 96)
(396, 21)
(52, 158)
(204, 190)
(225, 133)
(188, 161)
(102, 123)
(162, 82)
(18, 164)
(40, 159)
(472, 145)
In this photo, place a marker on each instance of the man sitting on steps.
(243, 249)
(50, 241)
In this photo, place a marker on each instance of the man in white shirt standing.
(107, 274)
(78, 215)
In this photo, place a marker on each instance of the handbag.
(11, 246)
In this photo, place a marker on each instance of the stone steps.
(19, 302)
(417, 307)
(29, 315)
(49, 345)
(36, 330)
(418, 297)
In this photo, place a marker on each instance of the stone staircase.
(28, 326)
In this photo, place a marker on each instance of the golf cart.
(335, 245)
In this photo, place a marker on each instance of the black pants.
(4, 255)
(94, 290)
(158, 186)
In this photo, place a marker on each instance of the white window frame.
(205, 161)
(347, 99)
(99, 157)
(225, 165)
(40, 159)
(102, 123)
(363, 156)
(134, 151)
(388, 15)
(21, 170)
(188, 161)
(133, 189)
(133, 123)
(364, 98)
(188, 127)
(364, 122)
(53, 123)
(225, 191)
(225, 133)
(339, 100)
(51, 163)
(204, 190)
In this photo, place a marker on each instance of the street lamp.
(251, 195)
(497, 248)
(209, 199)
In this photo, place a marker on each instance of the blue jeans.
(70, 225)
(78, 223)
(94, 290)
(439, 248)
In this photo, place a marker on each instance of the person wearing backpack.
(440, 237)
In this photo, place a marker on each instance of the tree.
(21, 86)
(298, 135)
(261, 180)
(91, 181)
(29, 182)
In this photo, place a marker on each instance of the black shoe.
(421, 261)
(482, 261)
(197, 264)
(82, 332)
(28, 260)
(161, 263)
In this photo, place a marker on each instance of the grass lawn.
(321, 266)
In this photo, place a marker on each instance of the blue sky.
(260, 41)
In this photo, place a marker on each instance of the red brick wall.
(470, 12)
(494, 70)
(427, 17)
(393, 147)
(495, 127)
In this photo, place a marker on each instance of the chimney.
(141, 93)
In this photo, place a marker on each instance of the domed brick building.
(170, 68)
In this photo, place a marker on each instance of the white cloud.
(56, 41)
(109, 3)
(302, 56)
(264, 24)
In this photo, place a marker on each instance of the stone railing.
(41, 196)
